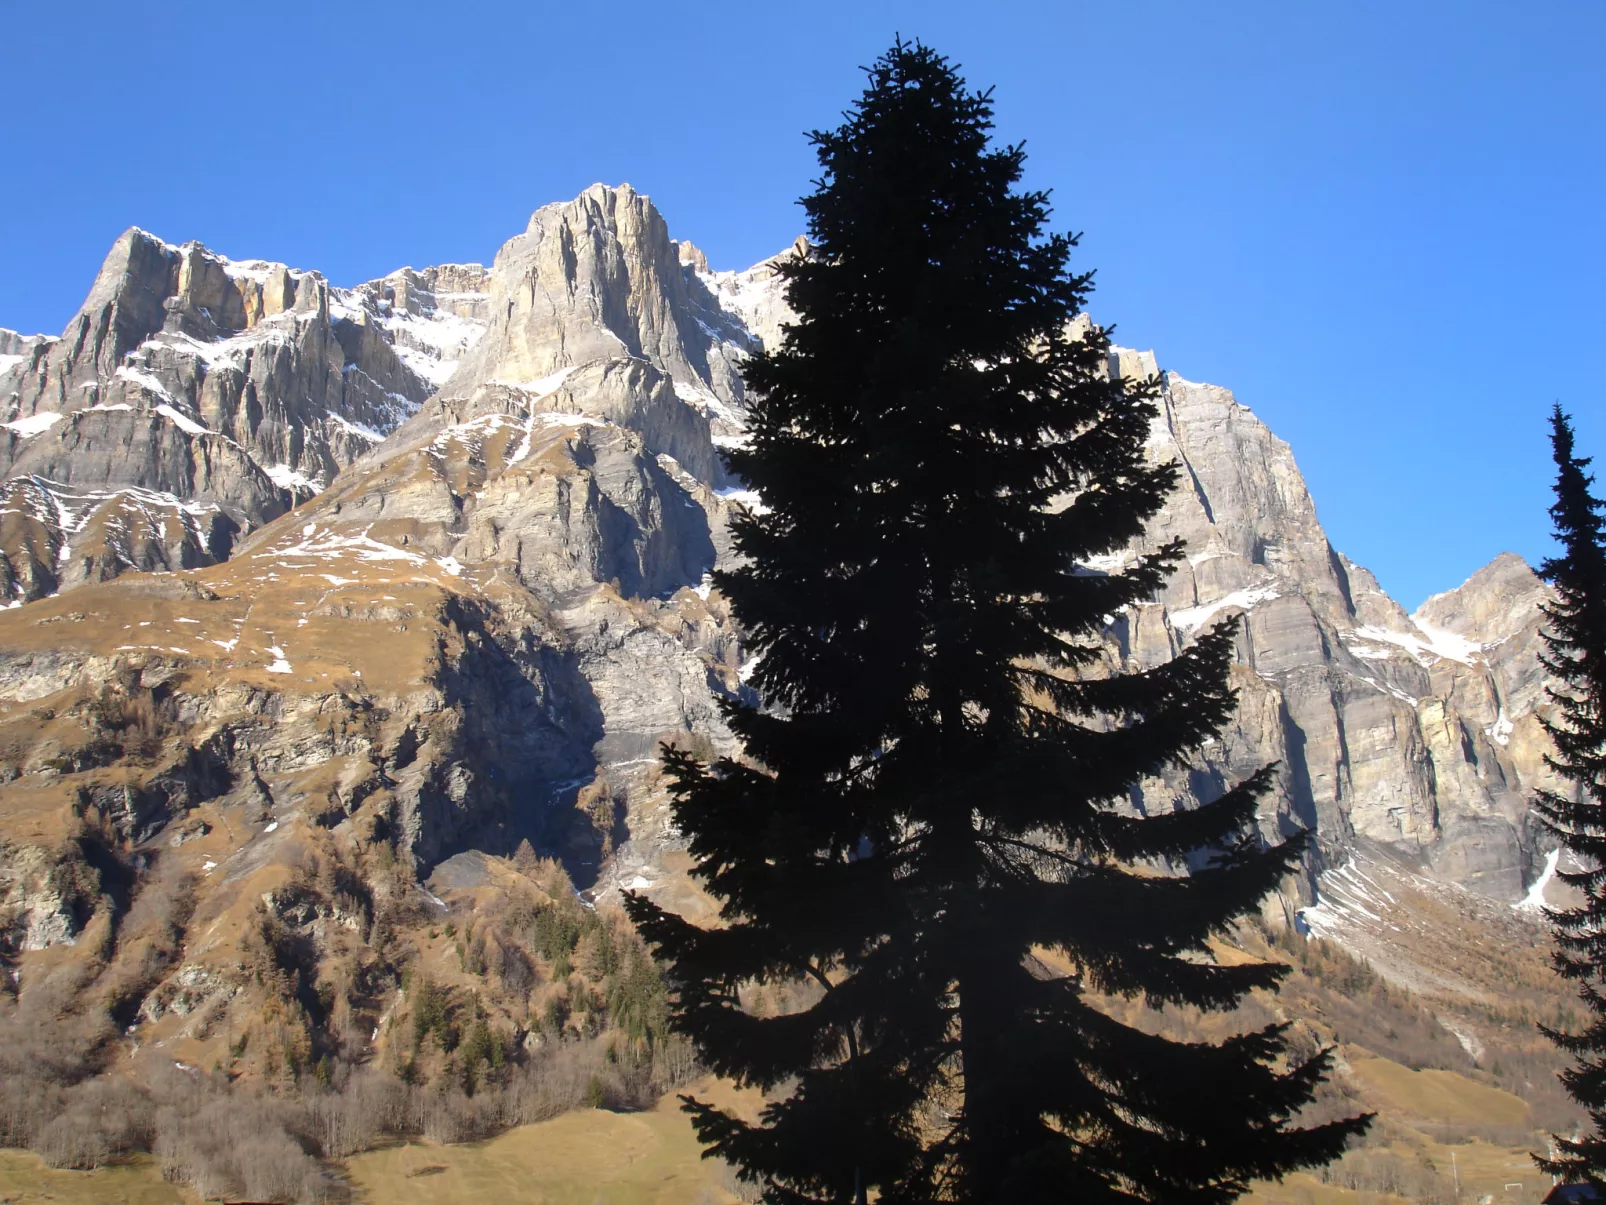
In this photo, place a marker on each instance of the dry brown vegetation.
(1398, 1057)
(242, 1140)
(252, 1026)
(356, 1014)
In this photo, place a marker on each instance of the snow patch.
(357, 429)
(745, 497)
(267, 332)
(181, 420)
(472, 430)
(34, 424)
(1111, 562)
(549, 383)
(1534, 901)
(1341, 895)
(70, 511)
(286, 478)
(554, 418)
(431, 343)
(144, 380)
(1500, 731)
(1432, 644)
(1195, 617)
(330, 547)
(523, 450)
(706, 402)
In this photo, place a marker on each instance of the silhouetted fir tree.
(941, 781)
(1575, 643)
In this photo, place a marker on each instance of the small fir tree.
(1575, 643)
(941, 781)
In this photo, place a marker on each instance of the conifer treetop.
(947, 769)
(1575, 644)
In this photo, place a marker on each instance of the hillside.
(1445, 1116)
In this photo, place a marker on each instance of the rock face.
(493, 614)
(192, 399)
(1414, 732)
(599, 279)
(488, 606)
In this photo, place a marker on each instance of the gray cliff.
(193, 398)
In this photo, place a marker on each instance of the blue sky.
(1379, 224)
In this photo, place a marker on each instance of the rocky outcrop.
(754, 296)
(1394, 729)
(599, 278)
(193, 398)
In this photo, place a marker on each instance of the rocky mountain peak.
(193, 398)
(692, 256)
(1494, 604)
(598, 279)
(1418, 733)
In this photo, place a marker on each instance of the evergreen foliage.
(943, 775)
(1575, 643)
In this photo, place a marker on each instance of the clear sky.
(1380, 224)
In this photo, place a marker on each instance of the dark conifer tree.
(941, 779)
(1575, 642)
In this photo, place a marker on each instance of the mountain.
(370, 583)
(193, 398)
(1415, 732)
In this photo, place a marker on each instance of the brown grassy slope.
(647, 1158)
(26, 1180)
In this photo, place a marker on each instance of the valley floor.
(583, 1158)
(594, 1157)
(578, 1159)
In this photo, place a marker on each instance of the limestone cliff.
(193, 398)
(1416, 732)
